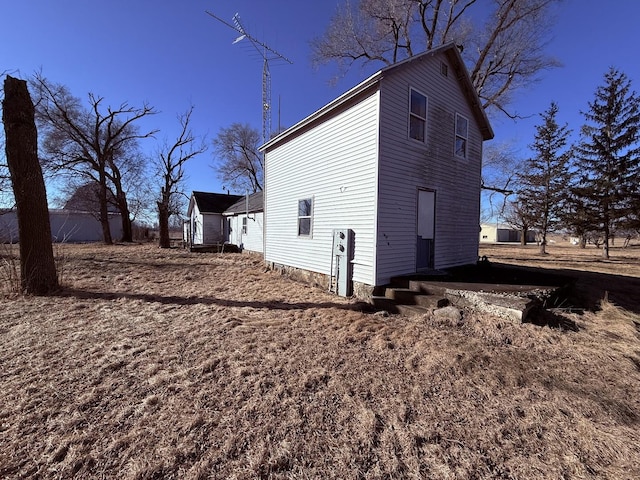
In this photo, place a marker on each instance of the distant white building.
(68, 226)
(500, 233)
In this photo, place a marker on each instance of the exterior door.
(426, 229)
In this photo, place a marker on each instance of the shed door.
(426, 229)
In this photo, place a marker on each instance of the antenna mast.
(267, 53)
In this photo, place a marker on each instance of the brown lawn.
(163, 364)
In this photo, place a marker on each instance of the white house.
(206, 222)
(245, 223)
(394, 163)
(69, 226)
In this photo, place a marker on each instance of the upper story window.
(305, 214)
(417, 115)
(444, 69)
(462, 135)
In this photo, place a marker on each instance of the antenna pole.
(267, 53)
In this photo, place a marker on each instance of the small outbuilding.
(206, 224)
(245, 223)
(500, 233)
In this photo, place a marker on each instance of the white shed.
(245, 223)
(396, 161)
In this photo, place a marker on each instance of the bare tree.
(502, 40)
(99, 143)
(520, 218)
(170, 169)
(500, 163)
(239, 163)
(37, 265)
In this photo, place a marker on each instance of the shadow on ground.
(581, 290)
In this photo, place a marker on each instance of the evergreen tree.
(607, 155)
(545, 176)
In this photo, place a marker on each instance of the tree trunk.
(104, 210)
(163, 223)
(37, 265)
(543, 245)
(127, 229)
(523, 236)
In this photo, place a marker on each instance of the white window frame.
(244, 225)
(417, 116)
(462, 136)
(305, 217)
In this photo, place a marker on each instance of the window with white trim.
(462, 135)
(244, 225)
(417, 115)
(305, 215)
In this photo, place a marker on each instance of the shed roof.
(212, 202)
(462, 74)
(254, 203)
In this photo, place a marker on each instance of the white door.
(426, 229)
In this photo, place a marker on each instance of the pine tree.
(545, 176)
(607, 155)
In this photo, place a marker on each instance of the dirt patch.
(164, 364)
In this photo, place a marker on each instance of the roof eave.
(334, 104)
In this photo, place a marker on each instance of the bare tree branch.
(503, 44)
(238, 161)
(99, 142)
(170, 165)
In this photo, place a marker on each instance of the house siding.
(253, 240)
(407, 166)
(335, 164)
(197, 222)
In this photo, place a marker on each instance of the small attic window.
(444, 69)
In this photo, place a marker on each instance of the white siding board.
(335, 164)
(253, 239)
(406, 166)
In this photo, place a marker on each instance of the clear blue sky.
(172, 54)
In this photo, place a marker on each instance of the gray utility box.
(341, 262)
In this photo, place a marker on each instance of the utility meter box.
(341, 262)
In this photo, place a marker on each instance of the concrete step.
(429, 288)
(406, 296)
(384, 303)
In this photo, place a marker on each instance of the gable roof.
(255, 203)
(212, 202)
(462, 74)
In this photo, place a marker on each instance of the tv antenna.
(267, 53)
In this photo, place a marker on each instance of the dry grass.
(163, 364)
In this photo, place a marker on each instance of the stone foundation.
(361, 291)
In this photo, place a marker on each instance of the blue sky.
(171, 54)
